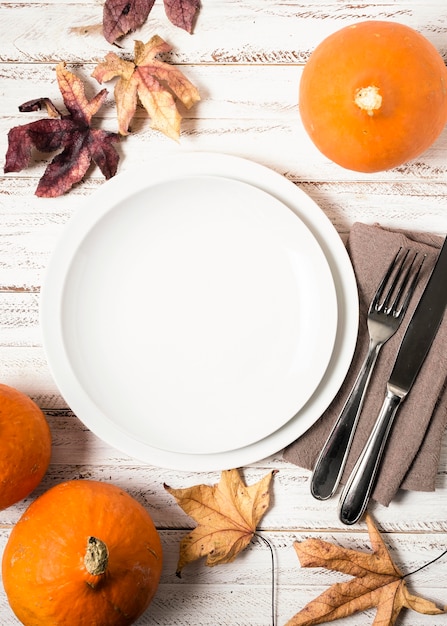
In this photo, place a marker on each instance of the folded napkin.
(412, 454)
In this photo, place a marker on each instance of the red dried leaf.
(182, 13)
(71, 134)
(36, 105)
(123, 16)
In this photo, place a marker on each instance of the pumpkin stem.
(96, 556)
(368, 99)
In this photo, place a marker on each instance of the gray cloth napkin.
(412, 454)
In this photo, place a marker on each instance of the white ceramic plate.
(198, 315)
(141, 396)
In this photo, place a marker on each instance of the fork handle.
(357, 491)
(332, 458)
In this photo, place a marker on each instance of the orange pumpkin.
(25, 445)
(374, 95)
(85, 553)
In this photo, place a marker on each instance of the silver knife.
(413, 349)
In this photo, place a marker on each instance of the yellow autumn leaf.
(376, 582)
(227, 515)
(155, 83)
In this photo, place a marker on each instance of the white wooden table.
(246, 57)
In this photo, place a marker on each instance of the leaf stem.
(425, 565)
(272, 554)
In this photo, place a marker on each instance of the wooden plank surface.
(246, 58)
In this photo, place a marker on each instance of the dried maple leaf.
(71, 134)
(123, 16)
(148, 78)
(377, 583)
(227, 514)
(182, 13)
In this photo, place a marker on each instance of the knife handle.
(357, 491)
(332, 458)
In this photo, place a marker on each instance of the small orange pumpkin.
(374, 95)
(85, 553)
(25, 445)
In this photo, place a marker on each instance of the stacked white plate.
(200, 314)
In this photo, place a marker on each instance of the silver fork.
(384, 318)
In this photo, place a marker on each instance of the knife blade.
(412, 353)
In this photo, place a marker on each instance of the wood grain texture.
(245, 110)
(246, 58)
(226, 31)
(77, 454)
(244, 586)
(31, 226)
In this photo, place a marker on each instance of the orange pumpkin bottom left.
(85, 553)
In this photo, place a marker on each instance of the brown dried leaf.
(227, 513)
(153, 81)
(71, 134)
(377, 583)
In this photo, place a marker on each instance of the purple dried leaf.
(71, 134)
(182, 13)
(37, 105)
(123, 16)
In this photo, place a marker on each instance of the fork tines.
(400, 280)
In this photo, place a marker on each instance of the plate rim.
(237, 168)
